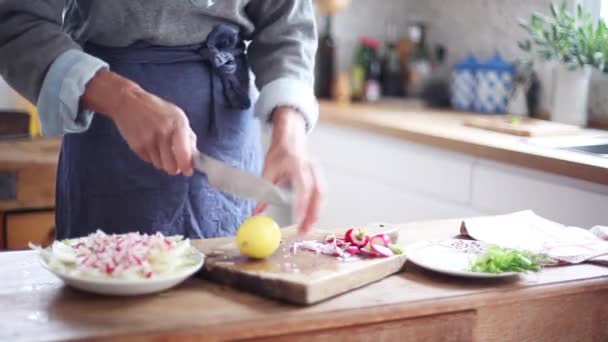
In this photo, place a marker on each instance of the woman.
(135, 85)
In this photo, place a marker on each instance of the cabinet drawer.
(36, 227)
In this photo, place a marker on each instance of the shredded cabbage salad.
(497, 260)
(120, 256)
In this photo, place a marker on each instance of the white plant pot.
(545, 73)
(571, 90)
(598, 96)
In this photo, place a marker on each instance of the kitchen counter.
(559, 304)
(28, 169)
(444, 129)
(32, 165)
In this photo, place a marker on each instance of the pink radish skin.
(367, 252)
(353, 250)
(382, 250)
(356, 237)
(380, 239)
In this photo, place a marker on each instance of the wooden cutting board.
(303, 278)
(527, 127)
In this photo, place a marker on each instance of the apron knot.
(222, 46)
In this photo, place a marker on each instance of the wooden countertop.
(444, 129)
(558, 304)
(26, 151)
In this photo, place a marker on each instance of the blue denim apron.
(102, 184)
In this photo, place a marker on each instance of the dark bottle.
(324, 64)
(419, 60)
(391, 72)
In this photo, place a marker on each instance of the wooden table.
(559, 304)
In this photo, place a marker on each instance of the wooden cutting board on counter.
(304, 278)
(525, 127)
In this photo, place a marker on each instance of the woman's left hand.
(288, 162)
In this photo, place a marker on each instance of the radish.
(382, 250)
(356, 237)
(368, 252)
(340, 242)
(380, 239)
(353, 250)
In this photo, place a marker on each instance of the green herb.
(515, 120)
(396, 249)
(497, 260)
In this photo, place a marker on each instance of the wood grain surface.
(558, 304)
(525, 127)
(300, 278)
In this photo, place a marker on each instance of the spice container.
(463, 85)
(494, 80)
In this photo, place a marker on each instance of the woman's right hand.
(156, 130)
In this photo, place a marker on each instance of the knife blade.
(237, 182)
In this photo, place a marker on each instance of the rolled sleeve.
(290, 93)
(63, 85)
(282, 57)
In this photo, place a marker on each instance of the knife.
(238, 182)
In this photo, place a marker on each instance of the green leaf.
(564, 7)
(525, 26)
(554, 10)
(497, 260)
(525, 45)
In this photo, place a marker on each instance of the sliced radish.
(353, 250)
(330, 238)
(382, 250)
(357, 237)
(348, 235)
(380, 239)
(368, 252)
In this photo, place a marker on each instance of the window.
(604, 10)
(597, 8)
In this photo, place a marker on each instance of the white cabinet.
(372, 178)
(355, 199)
(500, 188)
(394, 162)
(375, 178)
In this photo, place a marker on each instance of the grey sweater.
(41, 55)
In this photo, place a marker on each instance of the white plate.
(122, 287)
(451, 256)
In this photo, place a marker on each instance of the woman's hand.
(156, 130)
(287, 162)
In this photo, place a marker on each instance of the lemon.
(258, 237)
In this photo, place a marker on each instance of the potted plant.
(570, 46)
